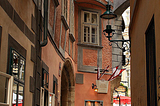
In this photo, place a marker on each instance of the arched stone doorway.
(67, 84)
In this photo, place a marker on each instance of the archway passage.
(67, 84)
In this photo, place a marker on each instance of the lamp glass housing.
(108, 14)
(96, 89)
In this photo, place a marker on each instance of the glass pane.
(94, 18)
(86, 34)
(89, 103)
(84, 37)
(20, 96)
(14, 94)
(50, 99)
(15, 64)
(45, 79)
(97, 104)
(94, 35)
(86, 17)
(3, 89)
(21, 70)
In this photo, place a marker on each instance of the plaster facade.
(16, 33)
(142, 14)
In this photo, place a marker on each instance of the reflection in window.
(94, 18)
(14, 101)
(45, 79)
(21, 73)
(94, 34)
(17, 66)
(18, 91)
(44, 93)
(17, 69)
(86, 34)
(93, 103)
(86, 17)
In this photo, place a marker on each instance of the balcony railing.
(6, 84)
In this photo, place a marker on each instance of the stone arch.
(67, 84)
(120, 6)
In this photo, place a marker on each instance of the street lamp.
(108, 14)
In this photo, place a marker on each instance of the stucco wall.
(144, 11)
(10, 27)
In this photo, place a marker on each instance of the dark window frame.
(13, 44)
(55, 89)
(17, 81)
(93, 101)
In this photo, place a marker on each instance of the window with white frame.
(90, 27)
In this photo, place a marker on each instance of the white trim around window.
(89, 27)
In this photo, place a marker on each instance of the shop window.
(55, 89)
(17, 70)
(93, 103)
(90, 27)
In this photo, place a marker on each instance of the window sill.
(64, 22)
(90, 45)
(72, 37)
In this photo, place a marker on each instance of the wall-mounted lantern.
(108, 14)
(94, 87)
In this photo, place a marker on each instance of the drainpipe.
(45, 22)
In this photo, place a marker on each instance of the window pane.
(45, 79)
(15, 64)
(97, 104)
(94, 35)
(50, 99)
(20, 95)
(89, 103)
(94, 18)
(86, 17)
(21, 70)
(86, 34)
(14, 101)
(84, 37)
(94, 103)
